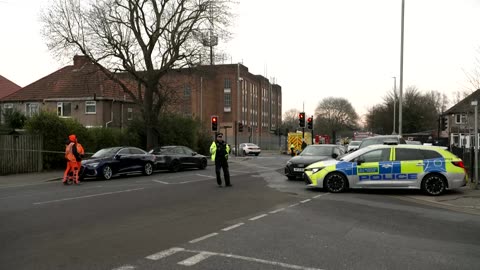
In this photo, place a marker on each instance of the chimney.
(80, 60)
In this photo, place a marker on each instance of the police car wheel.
(335, 182)
(107, 172)
(434, 184)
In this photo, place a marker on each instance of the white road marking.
(293, 205)
(307, 200)
(125, 267)
(232, 227)
(88, 196)
(250, 259)
(208, 176)
(202, 238)
(192, 181)
(318, 196)
(276, 211)
(161, 182)
(258, 217)
(196, 259)
(163, 254)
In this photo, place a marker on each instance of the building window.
(64, 109)
(460, 118)
(187, 90)
(31, 109)
(129, 113)
(228, 100)
(90, 107)
(228, 84)
(7, 107)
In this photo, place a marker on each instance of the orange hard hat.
(72, 138)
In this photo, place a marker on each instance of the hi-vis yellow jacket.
(213, 150)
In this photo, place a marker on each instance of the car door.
(190, 159)
(124, 160)
(137, 158)
(412, 166)
(374, 168)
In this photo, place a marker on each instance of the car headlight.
(94, 164)
(289, 163)
(315, 170)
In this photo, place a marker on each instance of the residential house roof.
(81, 80)
(464, 105)
(7, 87)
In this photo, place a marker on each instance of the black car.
(311, 154)
(383, 139)
(175, 158)
(108, 162)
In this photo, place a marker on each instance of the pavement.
(465, 199)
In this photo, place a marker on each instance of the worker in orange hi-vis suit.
(72, 156)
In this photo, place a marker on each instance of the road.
(184, 221)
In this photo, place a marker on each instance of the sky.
(312, 48)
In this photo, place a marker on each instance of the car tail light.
(459, 164)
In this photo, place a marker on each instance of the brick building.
(233, 94)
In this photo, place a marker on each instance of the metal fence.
(20, 154)
(467, 155)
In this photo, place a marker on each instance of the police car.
(429, 168)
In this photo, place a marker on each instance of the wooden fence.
(20, 154)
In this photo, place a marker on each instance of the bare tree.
(335, 114)
(290, 119)
(143, 39)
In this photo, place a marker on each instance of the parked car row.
(108, 162)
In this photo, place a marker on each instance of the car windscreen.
(317, 151)
(107, 152)
(355, 143)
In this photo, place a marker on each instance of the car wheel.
(335, 182)
(291, 177)
(434, 184)
(148, 168)
(107, 172)
(175, 166)
(203, 164)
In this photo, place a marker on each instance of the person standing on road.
(81, 154)
(72, 156)
(219, 151)
(292, 150)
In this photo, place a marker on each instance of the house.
(81, 91)
(7, 87)
(461, 120)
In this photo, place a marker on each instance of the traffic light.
(240, 127)
(443, 125)
(301, 119)
(310, 123)
(214, 123)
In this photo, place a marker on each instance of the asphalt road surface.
(184, 221)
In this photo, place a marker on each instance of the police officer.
(292, 150)
(219, 151)
(72, 156)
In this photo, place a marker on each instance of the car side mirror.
(335, 155)
(194, 153)
(360, 161)
(117, 156)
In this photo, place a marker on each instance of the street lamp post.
(394, 102)
(475, 182)
(400, 100)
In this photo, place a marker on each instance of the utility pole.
(401, 74)
(394, 102)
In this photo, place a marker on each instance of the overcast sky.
(313, 48)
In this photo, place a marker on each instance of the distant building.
(82, 91)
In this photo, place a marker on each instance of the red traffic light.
(214, 119)
(309, 119)
(301, 115)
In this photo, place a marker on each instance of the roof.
(7, 87)
(81, 80)
(465, 104)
